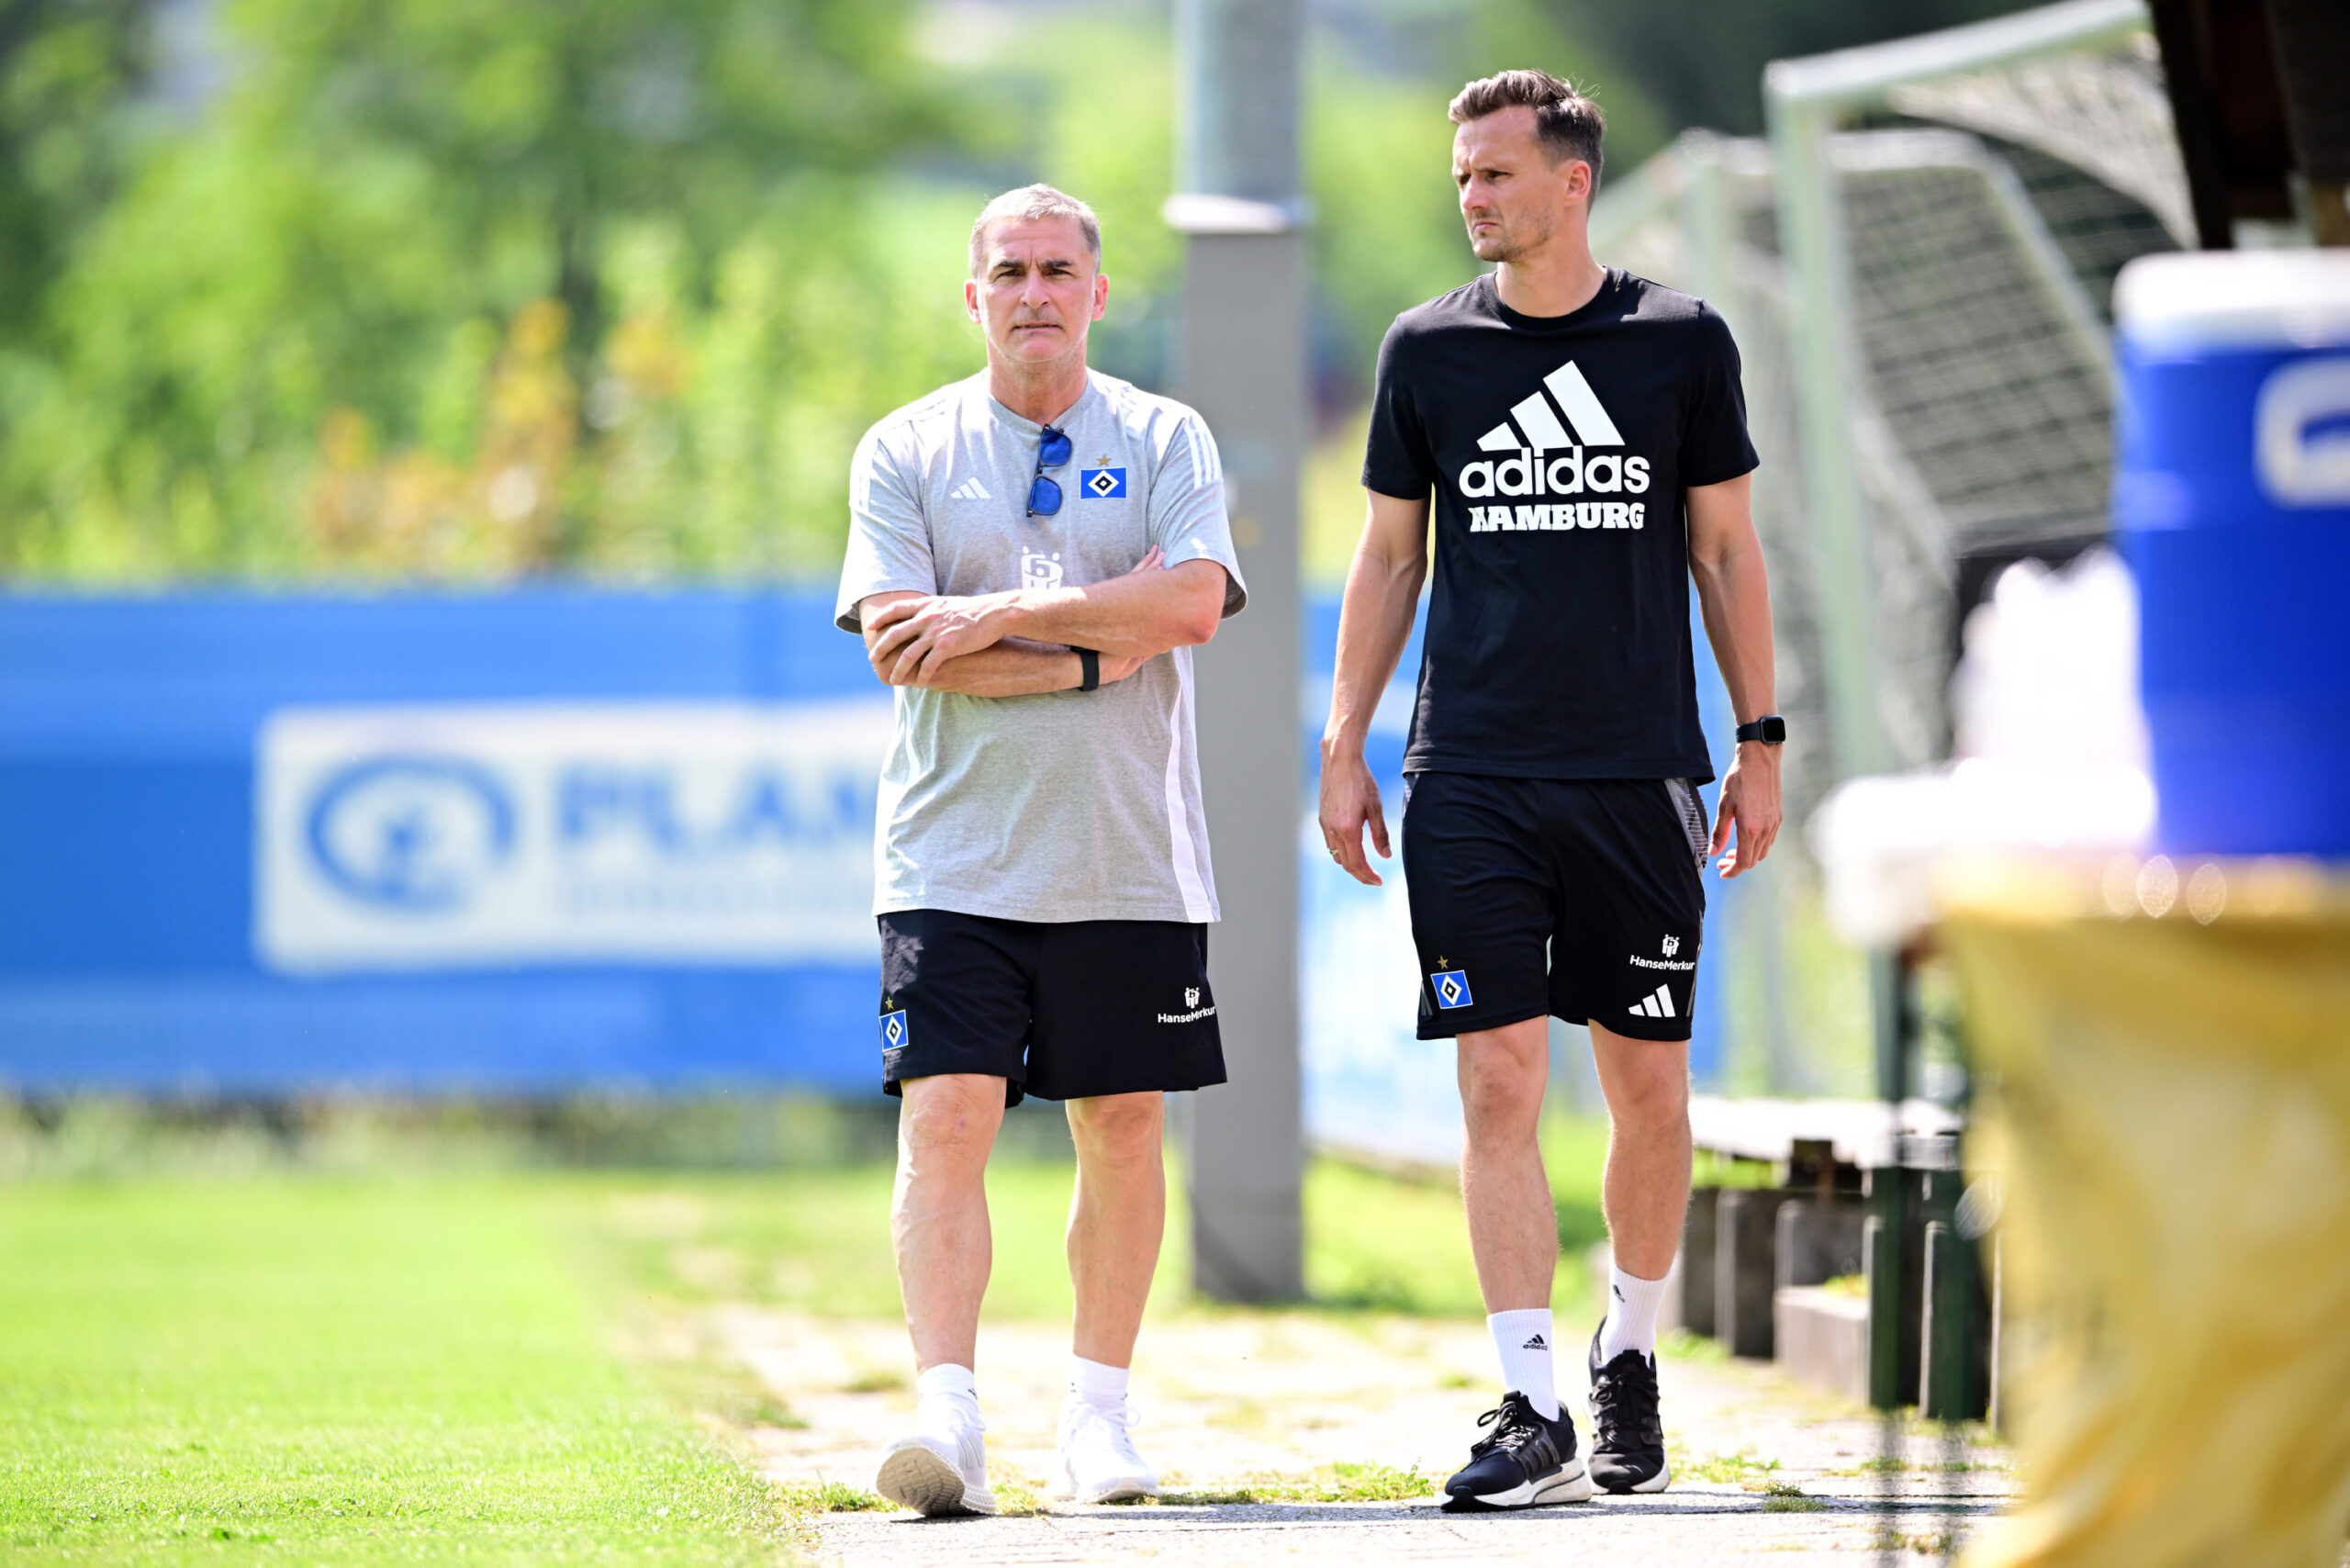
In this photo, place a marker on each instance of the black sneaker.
(1523, 1462)
(1627, 1433)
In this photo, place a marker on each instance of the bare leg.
(1117, 1219)
(1645, 1192)
(939, 1218)
(1513, 1226)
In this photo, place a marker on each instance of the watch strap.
(1770, 729)
(1089, 663)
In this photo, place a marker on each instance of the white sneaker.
(940, 1467)
(1098, 1457)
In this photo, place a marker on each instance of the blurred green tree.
(426, 272)
(66, 67)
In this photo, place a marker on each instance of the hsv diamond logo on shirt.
(1104, 484)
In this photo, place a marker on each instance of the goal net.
(1918, 268)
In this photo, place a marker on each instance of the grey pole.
(1243, 366)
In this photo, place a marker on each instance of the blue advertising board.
(504, 842)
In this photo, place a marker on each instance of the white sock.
(950, 1392)
(1524, 1338)
(1100, 1385)
(1631, 1315)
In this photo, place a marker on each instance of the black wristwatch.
(1770, 729)
(1090, 664)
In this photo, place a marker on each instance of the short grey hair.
(1027, 205)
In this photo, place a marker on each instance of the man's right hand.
(1349, 802)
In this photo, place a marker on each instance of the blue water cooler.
(2232, 502)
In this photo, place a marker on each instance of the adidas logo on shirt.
(970, 490)
(1562, 416)
(1658, 1004)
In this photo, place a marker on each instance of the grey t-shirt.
(1067, 805)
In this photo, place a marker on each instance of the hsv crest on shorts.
(1452, 987)
(893, 1029)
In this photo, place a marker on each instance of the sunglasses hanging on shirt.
(1044, 493)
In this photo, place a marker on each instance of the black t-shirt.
(1557, 447)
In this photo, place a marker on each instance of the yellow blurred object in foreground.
(2167, 1101)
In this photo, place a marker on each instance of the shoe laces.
(1624, 1402)
(1514, 1424)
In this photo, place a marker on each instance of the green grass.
(346, 1371)
(245, 1362)
(1721, 1469)
(832, 1497)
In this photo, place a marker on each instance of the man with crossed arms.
(1033, 553)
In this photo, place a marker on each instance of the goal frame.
(1806, 101)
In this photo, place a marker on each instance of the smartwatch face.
(1775, 731)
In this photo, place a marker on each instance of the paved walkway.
(1227, 1398)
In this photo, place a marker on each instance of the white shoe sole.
(1122, 1489)
(1656, 1483)
(915, 1476)
(1572, 1485)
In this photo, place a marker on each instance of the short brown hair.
(1028, 204)
(1567, 124)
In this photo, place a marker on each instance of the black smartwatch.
(1770, 729)
(1089, 663)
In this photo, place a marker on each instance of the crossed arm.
(1017, 643)
(1375, 621)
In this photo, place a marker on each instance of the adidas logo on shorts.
(1658, 1004)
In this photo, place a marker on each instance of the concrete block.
(1746, 1268)
(1822, 1337)
(1818, 1240)
(1691, 1301)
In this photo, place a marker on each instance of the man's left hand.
(1750, 800)
(917, 635)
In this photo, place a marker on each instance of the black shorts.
(1061, 1010)
(1578, 898)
